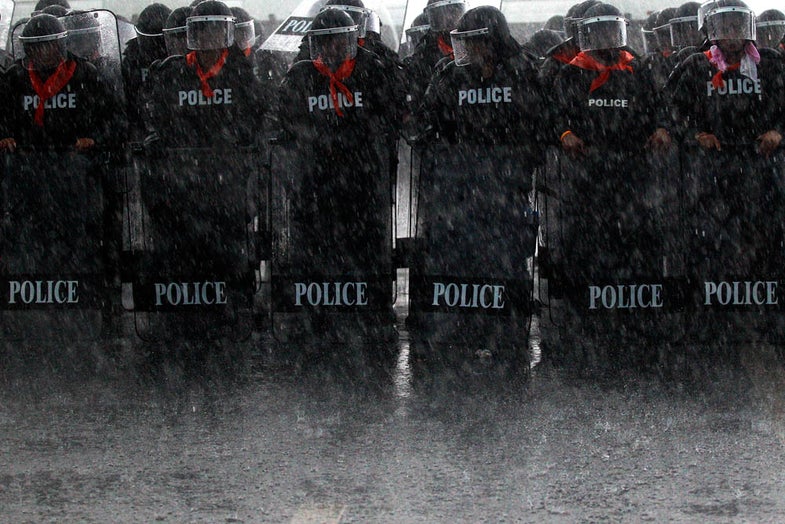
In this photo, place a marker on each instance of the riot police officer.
(489, 93)
(174, 31)
(443, 16)
(244, 30)
(770, 29)
(55, 98)
(140, 53)
(209, 95)
(730, 95)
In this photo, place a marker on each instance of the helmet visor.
(650, 44)
(359, 15)
(244, 34)
(602, 32)
(663, 33)
(444, 15)
(44, 52)
(416, 33)
(684, 32)
(85, 42)
(209, 32)
(469, 46)
(176, 43)
(333, 45)
(771, 33)
(730, 23)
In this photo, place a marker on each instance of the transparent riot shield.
(331, 218)
(612, 259)
(52, 276)
(734, 209)
(471, 261)
(6, 16)
(284, 43)
(93, 36)
(190, 249)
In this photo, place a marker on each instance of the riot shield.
(191, 244)
(284, 42)
(93, 36)
(734, 204)
(6, 16)
(331, 217)
(613, 259)
(470, 276)
(53, 278)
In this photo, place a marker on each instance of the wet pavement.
(324, 443)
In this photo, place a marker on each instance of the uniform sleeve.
(107, 122)
(434, 115)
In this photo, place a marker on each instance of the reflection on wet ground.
(338, 442)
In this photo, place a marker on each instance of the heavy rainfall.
(369, 261)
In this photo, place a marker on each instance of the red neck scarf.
(565, 56)
(336, 84)
(46, 90)
(444, 47)
(717, 81)
(247, 51)
(191, 60)
(586, 61)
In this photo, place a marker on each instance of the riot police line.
(185, 219)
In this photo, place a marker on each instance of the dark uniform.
(82, 107)
(460, 105)
(188, 112)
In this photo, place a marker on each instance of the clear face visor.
(45, 52)
(770, 33)
(373, 24)
(731, 23)
(470, 47)
(244, 34)
(359, 15)
(602, 32)
(444, 15)
(571, 27)
(650, 43)
(416, 33)
(85, 42)
(208, 32)
(334, 45)
(176, 41)
(684, 32)
(663, 33)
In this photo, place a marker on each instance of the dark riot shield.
(470, 273)
(613, 256)
(735, 215)
(192, 244)
(52, 273)
(331, 217)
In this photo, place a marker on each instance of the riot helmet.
(45, 42)
(417, 30)
(684, 26)
(355, 9)
(482, 37)
(84, 34)
(663, 29)
(650, 42)
(373, 24)
(730, 20)
(55, 10)
(149, 29)
(244, 29)
(543, 40)
(555, 23)
(603, 27)
(332, 37)
(443, 15)
(770, 28)
(43, 4)
(574, 16)
(175, 31)
(210, 26)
